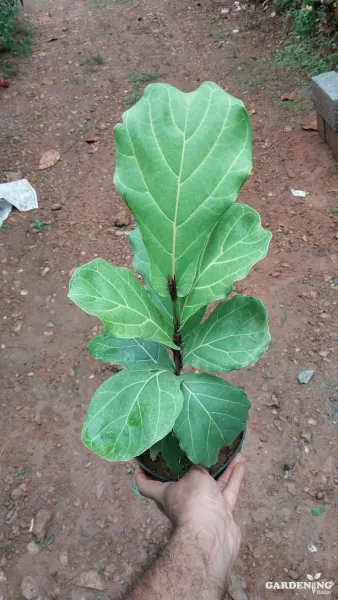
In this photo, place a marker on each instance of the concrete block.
(332, 140)
(321, 127)
(325, 97)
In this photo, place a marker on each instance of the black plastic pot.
(216, 475)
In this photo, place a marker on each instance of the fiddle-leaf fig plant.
(181, 159)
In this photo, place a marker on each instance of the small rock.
(305, 376)
(236, 589)
(320, 495)
(102, 126)
(306, 435)
(23, 292)
(17, 327)
(120, 233)
(33, 548)
(91, 579)
(323, 353)
(56, 206)
(91, 139)
(2, 576)
(72, 271)
(278, 425)
(29, 588)
(263, 438)
(3, 561)
(122, 219)
(45, 271)
(64, 558)
(41, 523)
(293, 574)
(334, 415)
(312, 421)
(18, 493)
(110, 569)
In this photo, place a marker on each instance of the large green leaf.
(214, 413)
(235, 244)
(181, 159)
(131, 411)
(128, 352)
(234, 336)
(115, 296)
(141, 264)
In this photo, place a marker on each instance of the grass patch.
(40, 225)
(81, 79)
(302, 56)
(138, 78)
(296, 108)
(93, 61)
(132, 98)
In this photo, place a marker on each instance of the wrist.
(202, 543)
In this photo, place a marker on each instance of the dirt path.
(59, 100)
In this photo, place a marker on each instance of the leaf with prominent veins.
(181, 160)
(235, 244)
(234, 336)
(214, 413)
(131, 411)
(128, 352)
(115, 296)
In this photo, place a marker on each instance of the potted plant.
(181, 159)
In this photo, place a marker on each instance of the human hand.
(202, 508)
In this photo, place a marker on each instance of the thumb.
(149, 488)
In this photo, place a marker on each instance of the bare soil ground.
(48, 376)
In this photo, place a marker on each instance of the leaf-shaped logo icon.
(317, 576)
(310, 577)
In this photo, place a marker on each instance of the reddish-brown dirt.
(48, 376)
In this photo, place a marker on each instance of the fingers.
(231, 491)
(224, 478)
(147, 487)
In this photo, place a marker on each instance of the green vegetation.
(16, 37)
(313, 43)
(138, 78)
(93, 61)
(81, 79)
(188, 256)
(40, 225)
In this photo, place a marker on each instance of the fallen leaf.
(91, 139)
(288, 96)
(49, 159)
(46, 81)
(311, 126)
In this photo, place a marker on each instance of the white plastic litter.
(19, 194)
(312, 548)
(225, 11)
(299, 193)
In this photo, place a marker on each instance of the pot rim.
(216, 475)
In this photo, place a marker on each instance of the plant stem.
(177, 354)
